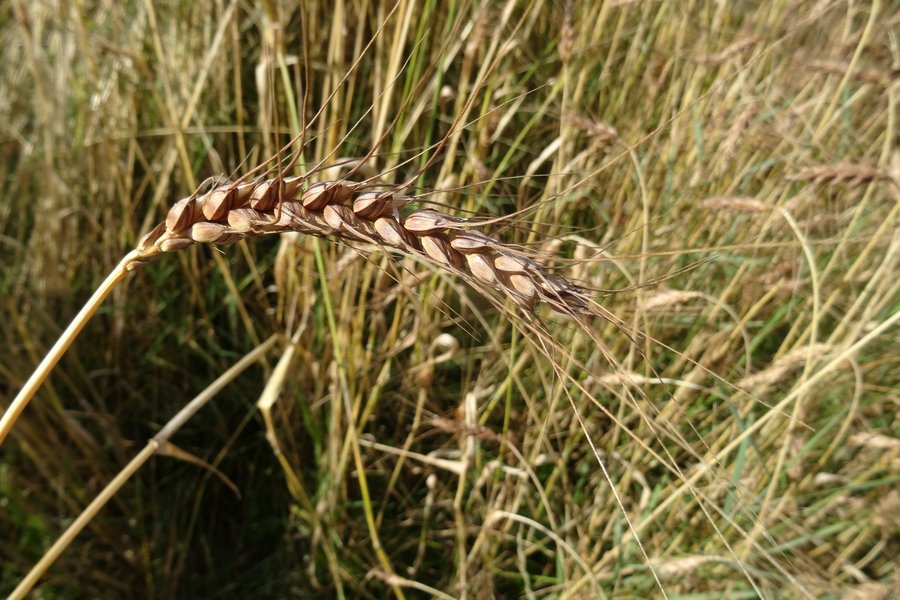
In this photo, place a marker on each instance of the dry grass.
(716, 182)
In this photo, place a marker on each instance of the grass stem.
(135, 464)
(52, 357)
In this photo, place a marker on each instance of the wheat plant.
(527, 299)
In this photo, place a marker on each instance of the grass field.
(721, 178)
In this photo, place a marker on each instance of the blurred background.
(723, 177)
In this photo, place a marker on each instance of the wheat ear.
(351, 211)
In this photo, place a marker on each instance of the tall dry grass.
(720, 179)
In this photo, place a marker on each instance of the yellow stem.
(62, 344)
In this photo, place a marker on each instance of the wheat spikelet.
(730, 51)
(850, 173)
(735, 203)
(685, 565)
(667, 298)
(603, 134)
(874, 441)
(870, 75)
(738, 128)
(351, 211)
(783, 367)
(868, 591)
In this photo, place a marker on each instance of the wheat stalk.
(62, 344)
(153, 447)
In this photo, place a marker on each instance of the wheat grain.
(350, 211)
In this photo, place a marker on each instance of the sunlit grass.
(724, 176)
